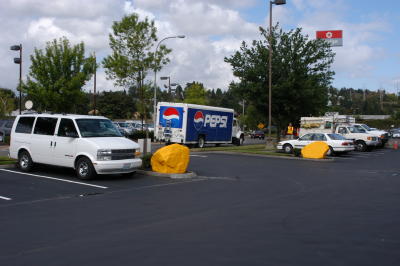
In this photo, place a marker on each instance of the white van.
(89, 144)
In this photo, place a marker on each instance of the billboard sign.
(333, 37)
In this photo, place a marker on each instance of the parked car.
(89, 144)
(395, 133)
(336, 143)
(257, 134)
(5, 126)
(128, 130)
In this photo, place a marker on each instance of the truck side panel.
(216, 126)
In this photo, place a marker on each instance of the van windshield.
(92, 128)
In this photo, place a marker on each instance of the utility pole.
(94, 85)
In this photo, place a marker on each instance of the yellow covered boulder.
(315, 150)
(171, 159)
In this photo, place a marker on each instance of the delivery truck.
(192, 124)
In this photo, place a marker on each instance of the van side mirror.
(71, 134)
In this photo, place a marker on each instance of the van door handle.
(51, 143)
(55, 143)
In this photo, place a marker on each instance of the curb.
(272, 156)
(172, 176)
(7, 166)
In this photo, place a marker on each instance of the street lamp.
(276, 2)
(169, 83)
(19, 61)
(155, 77)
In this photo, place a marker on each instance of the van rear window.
(25, 125)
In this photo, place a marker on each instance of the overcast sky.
(214, 29)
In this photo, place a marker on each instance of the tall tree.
(57, 75)
(300, 78)
(132, 43)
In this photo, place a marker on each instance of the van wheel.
(361, 146)
(25, 162)
(84, 169)
(201, 142)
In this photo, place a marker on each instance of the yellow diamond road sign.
(261, 126)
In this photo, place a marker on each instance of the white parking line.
(201, 156)
(53, 178)
(345, 158)
(4, 198)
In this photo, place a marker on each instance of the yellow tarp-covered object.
(171, 159)
(315, 150)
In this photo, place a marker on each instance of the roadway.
(243, 210)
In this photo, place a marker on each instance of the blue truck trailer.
(196, 124)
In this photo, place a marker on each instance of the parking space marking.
(53, 178)
(345, 158)
(201, 156)
(5, 198)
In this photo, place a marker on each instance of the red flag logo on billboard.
(334, 37)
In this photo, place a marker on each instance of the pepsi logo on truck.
(171, 116)
(200, 120)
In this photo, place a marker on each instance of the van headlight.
(104, 155)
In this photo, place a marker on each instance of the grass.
(251, 149)
(5, 160)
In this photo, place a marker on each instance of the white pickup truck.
(383, 136)
(362, 139)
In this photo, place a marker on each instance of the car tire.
(361, 145)
(287, 148)
(25, 162)
(330, 152)
(84, 169)
(201, 142)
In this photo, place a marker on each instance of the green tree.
(300, 78)
(115, 104)
(132, 43)
(57, 75)
(195, 93)
(7, 102)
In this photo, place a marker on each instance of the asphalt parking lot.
(243, 210)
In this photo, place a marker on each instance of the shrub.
(7, 140)
(141, 135)
(146, 161)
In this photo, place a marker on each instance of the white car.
(89, 144)
(336, 143)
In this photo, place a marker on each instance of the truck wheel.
(239, 141)
(84, 169)
(25, 162)
(201, 142)
(287, 148)
(361, 146)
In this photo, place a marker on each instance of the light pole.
(276, 2)
(155, 78)
(94, 84)
(19, 61)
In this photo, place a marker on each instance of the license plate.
(126, 166)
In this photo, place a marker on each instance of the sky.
(214, 29)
